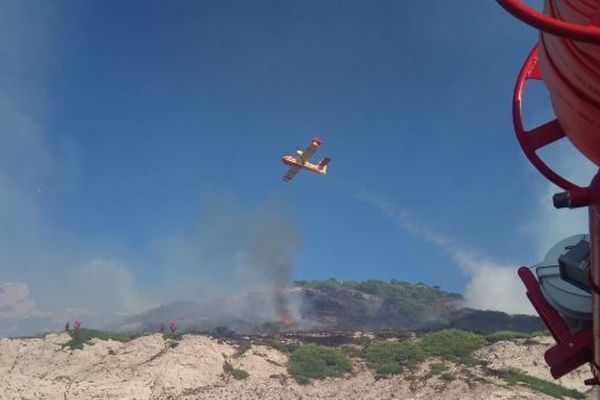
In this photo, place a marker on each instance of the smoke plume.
(235, 250)
(491, 285)
(45, 274)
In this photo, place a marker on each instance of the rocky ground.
(151, 367)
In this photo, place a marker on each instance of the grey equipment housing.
(575, 265)
(563, 279)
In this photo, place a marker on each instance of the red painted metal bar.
(533, 140)
(557, 327)
(594, 215)
(572, 350)
(543, 22)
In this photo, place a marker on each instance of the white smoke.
(110, 283)
(492, 285)
(16, 302)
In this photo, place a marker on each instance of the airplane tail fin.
(322, 165)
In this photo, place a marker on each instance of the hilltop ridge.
(333, 305)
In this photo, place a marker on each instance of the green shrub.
(516, 377)
(437, 369)
(243, 347)
(351, 351)
(237, 374)
(81, 336)
(302, 380)
(452, 344)
(311, 361)
(447, 376)
(389, 358)
(507, 335)
(172, 336)
(387, 368)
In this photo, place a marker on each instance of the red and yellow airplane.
(302, 160)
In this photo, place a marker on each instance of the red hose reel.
(567, 59)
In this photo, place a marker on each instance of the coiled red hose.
(571, 71)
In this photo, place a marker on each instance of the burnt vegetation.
(332, 305)
(397, 305)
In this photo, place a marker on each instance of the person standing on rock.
(76, 325)
(173, 327)
(162, 327)
(67, 326)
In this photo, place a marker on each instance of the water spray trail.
(491, 285)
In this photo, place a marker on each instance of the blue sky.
(148, 108)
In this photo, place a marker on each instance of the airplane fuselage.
(294, 162)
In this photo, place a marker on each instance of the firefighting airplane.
(302, 161)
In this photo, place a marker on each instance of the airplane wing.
(291, 173)
(308, 151)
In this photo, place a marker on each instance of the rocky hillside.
(397, 304)
(201, 367)
(332, 305)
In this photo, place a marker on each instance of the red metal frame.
(572, 350)
(533, 140)
(543, 22)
